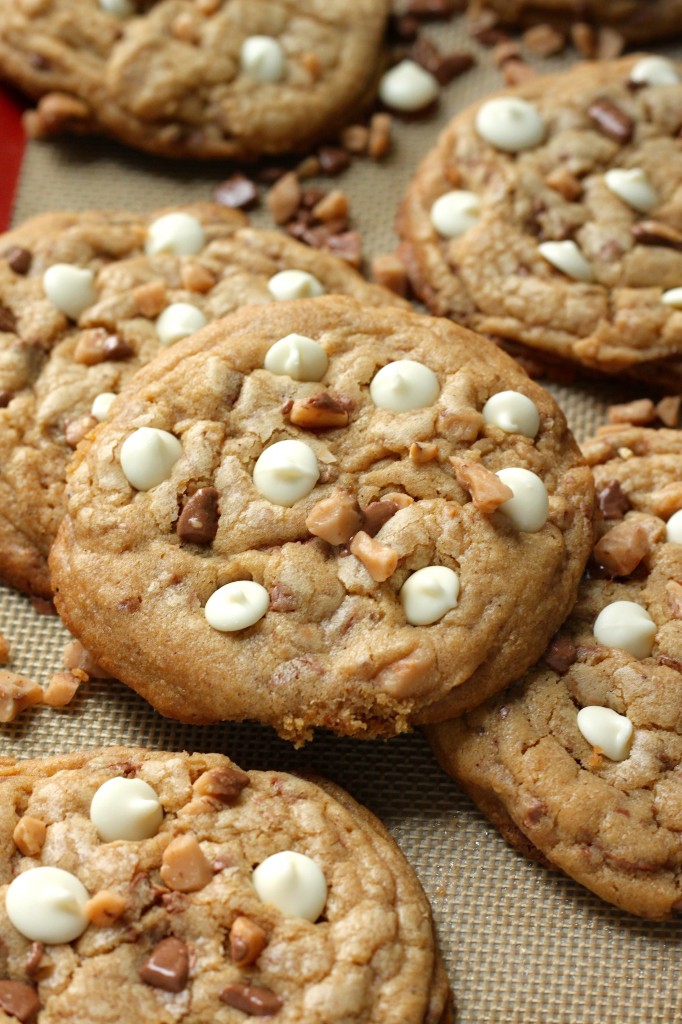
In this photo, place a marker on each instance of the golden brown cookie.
(296, 517)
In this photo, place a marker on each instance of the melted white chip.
(298, 357)
(428, 594)
(455, 212)
(286, 471)
(179, 233)
(295, 284)
(510, 124)
(633, 187)
(654, 71)
(47, 905)
(262, 58)
(126, 809)
(178, 321)
(404, 385)
(293, 883)
(236, 606)
(673, 528)
(102, 404)
(529, 507)
(606, 729)
(148, 456)
(71, 289)
(567, 257)
(119, 8)
(512, 412)
(673, 297)
(408, 86)
(626, 626)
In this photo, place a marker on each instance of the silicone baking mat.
(523, 945)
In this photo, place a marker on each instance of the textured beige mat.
(522, 945)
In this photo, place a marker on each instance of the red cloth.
(12, 145)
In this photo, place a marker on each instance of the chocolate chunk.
(652, 232)
(560, 654)
(19, 1000)
(224, 784)
(258, 1002)
(282, 599)
(19, 259)
(434, 8)
(38, 62)
(333, 159)
(168, 966)
(613, 501)
(404, 27)
(237, 192)
(114, 349)
(611, 120)
(8, 321)
(5, 398)
(376, 514)
(35, 955)
(198, 522)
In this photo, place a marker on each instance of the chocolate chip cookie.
(320, 513)
(87, 298)
(579, 764)
(140, 886)
(635, 20)
(201, 78)
(550, 216)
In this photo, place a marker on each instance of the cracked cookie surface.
(327, 636)
(613, 825)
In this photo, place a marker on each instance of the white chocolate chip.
(567, 257)
(295, 284)
(633, 187)
(71, 289)
(262, 58)
(237, 605)
(286, 471)
(126, 809)
(673, 297)
(177, 321)
(179, 233)
(428, 594)
(404, 385)
(119, 8)
(606, 729)
(512, 412)
(626, 626)
(298, 357)
(654, 71)
(47, 905)
(293, 883)
(529, 508)
(510, 124)
(673, 528)
(148, 456)
(102, 404)
(455, 212)
(408, 86)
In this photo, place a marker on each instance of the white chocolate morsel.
(119, 8)
(71, 289)
(298, 357)
(626, 626)
(455, 212)
(567, 257)
(177, 321)
(408, 86)
(654, 71)
(428, 594)
(285, 472)
(263, 59)
(295, 284)
(529, 507)
(47, 905)
(126, 809)
(179, 233)
(606, 729)
(512, 412)
(148, 456)
(404, 385)
(633, 187)
(673, 528)
(510, 124)
(293, 883)
(673, 297)
(102, 404)
(236, 606)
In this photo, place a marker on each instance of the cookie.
(635, 20)
(87, 298)
(578, 764)
(212, 78)
(140, 886)
(296, 517)
(550, 217)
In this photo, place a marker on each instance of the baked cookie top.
(296, 517)
(87, 298)
(551, 215)
(580, 762)
(635, 20)
(140, 886)
(202, 78)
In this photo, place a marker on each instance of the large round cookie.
(211, 78)
(53, 365)
(609, 817)
(187, 919)
(635, 20)
(598, 139)
(326, 531)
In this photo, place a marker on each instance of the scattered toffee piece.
(237, 192)
(224, 784)
(19, 1000)
(258, 1002)
(668, 410)
(282, 599)
(613, 501)
(168, 966)
(8, 321)
(333, 159)
(247, 941)
(560, 654)
(198, 522)
(611, 120)
(19, 259)
(376, 515)
(319, 412)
